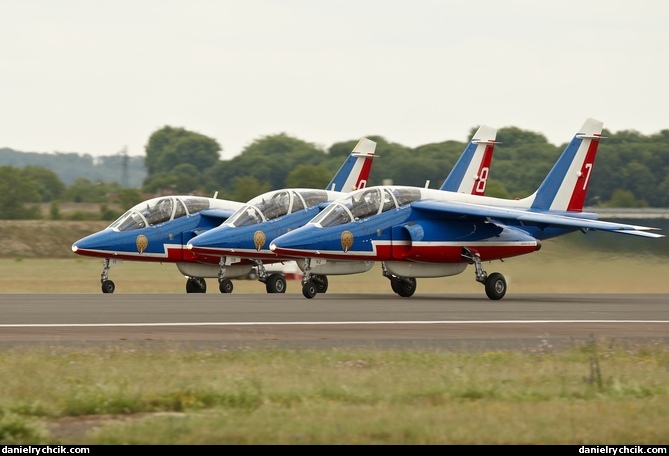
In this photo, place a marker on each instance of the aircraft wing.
(586, 221)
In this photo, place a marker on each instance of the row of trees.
(127, 170)
(630, 170)
(21, 189)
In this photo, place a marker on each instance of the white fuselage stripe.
(113, 253)
(433, 245)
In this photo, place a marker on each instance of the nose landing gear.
(312, 284)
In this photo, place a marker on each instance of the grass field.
(599, 393)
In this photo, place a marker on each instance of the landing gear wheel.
(395, 284)
(309, 290)
(225, 286)
(321, 283)
(196, 286)
(406, 287)
(108, 286)
(276, 283)
(495, 286)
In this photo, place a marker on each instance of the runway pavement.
(453, 321)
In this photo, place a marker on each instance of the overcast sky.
(95, 77)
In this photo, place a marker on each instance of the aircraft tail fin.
(566, 184)
(470, 173)
(354, 173)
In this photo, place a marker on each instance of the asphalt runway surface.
(378, 321)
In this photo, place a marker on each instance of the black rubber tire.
(196, 286)
(321, 283)
(395, 284)
(276, 283)
(406, 287)
(226, 286)
(495, 286)
(108, 286)
(309, 290)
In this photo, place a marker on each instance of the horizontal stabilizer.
(485, 141)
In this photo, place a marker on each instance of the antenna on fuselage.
(215, 194)
(427, 183)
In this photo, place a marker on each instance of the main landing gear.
(495, 283)
(196, 285)
(403, 286)
(274, 283)
(312, 284)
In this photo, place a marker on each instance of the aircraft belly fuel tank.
(416, 270)
(333, 267)
(211, 270)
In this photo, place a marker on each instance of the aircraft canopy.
(278, 203)
(159, 210)
(365, 203)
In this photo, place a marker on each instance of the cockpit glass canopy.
(159, 210)
(275, 204)
(365, 203)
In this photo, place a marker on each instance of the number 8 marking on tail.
(483, 178)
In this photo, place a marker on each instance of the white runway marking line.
(320, 323)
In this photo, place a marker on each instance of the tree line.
(631, 169)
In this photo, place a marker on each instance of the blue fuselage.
(406, 234)
(162, 242)
(249, 241)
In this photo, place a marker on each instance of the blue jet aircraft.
(246, 235)
(417, 232)
(158, 230)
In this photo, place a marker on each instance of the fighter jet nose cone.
(74, 247)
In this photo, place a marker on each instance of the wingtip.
(641, 231)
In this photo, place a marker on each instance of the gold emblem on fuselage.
(142, 243)
(259, 239)
(346, 240)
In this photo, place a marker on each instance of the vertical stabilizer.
(470, 173)
(566, 185)
(354, 173)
